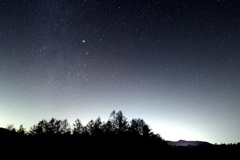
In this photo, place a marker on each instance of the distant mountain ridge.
(187, 143)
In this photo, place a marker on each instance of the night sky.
(173, 63)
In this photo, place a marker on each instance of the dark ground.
(82, 147)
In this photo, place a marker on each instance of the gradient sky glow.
(173, 63)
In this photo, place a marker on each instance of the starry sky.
(173, 63)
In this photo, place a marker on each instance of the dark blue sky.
(173, 63)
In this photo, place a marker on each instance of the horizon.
(175, 64)
(104, 121)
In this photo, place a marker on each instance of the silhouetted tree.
(107, 128)
(137, 126)
(11, 128)
(51, 127)
(89, 127)
(85, 131)
(65, 128)
(21, 130)
(146, 130)
(39, 129)
(97, 127)
(77, 127)
(119, 122)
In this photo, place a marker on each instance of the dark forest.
(97, 139)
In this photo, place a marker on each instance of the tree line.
(116, 137)
(117, 124)
(117, 134)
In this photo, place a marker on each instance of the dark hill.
(188, 143)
